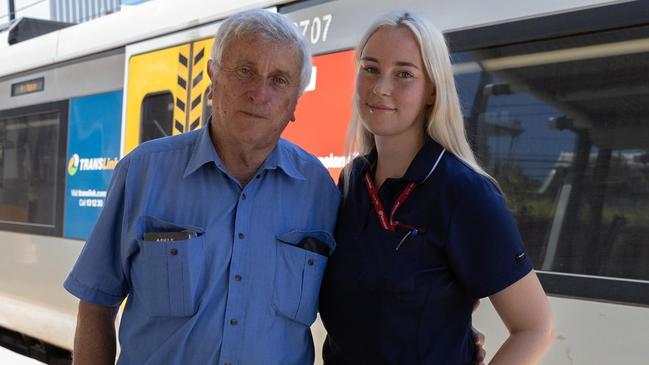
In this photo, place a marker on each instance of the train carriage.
(555, 97)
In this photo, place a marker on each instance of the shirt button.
(310, 262)
(258, 177)
(173, 251)
(241, 236)
(233, 322)
(237, 278)
(243, 196)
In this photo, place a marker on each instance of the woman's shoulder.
(356, 167)
(461, 180)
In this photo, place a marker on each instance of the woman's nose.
(382, 87)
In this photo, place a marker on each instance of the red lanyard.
(390, 224)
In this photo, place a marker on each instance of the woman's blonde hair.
(444, 122)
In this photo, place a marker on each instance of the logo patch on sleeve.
(520, 257)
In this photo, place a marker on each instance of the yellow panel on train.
(156, 72)
(177, 76)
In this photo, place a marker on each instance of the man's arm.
(94, 339)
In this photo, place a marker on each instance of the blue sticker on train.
(94, 136)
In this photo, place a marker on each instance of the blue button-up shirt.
(243, 291)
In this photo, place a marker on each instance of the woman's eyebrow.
(371, 59)
(405, 63)
(398, 63)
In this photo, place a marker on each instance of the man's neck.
(241, 161)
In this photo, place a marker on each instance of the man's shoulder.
(304, 161)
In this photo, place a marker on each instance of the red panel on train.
(323, 113)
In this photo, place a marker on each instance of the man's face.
(255, 90)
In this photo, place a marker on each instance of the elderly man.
(217, 237)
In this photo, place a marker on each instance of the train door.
(166, 90)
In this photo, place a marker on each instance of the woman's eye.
(405, 75)
(370, 69)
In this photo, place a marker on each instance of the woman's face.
(392, 87)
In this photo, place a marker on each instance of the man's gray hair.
(272, 26)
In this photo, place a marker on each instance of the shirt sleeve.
(97, 276)
(484, 246)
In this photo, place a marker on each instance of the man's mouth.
(251, 114)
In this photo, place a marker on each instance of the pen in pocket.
(413, 232)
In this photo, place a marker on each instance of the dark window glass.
(562, 124)
(157, 116)
(28, 164)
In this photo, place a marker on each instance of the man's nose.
(259, 91)
(383, 86)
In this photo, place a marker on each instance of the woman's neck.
(394, 155)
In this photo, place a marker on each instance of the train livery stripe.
(199, 83)
(182, 90)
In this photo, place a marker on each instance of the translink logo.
(90, 164)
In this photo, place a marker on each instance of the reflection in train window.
(562, 124)
(28, 153)
(157, 116)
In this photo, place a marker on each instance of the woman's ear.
(431, 98)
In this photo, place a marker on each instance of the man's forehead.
(252, 48)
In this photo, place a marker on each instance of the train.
(555, 96)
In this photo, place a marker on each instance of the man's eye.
(280, 81)
(405, 75)
(245, 72)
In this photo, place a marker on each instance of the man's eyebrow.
(398, 63)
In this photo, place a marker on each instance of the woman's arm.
(525, 311)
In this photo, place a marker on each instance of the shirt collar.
(280, 157)
(204, 152)
(421, 167)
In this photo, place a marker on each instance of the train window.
(29, 146)
(561, 123)
(157, 116)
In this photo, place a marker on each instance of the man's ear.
(210, 69)
(292, 117)
(210, 73)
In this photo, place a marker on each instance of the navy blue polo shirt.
(413, 305)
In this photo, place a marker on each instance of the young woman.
(423, 231)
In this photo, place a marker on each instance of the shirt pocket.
(171, 271)
(298, 275)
